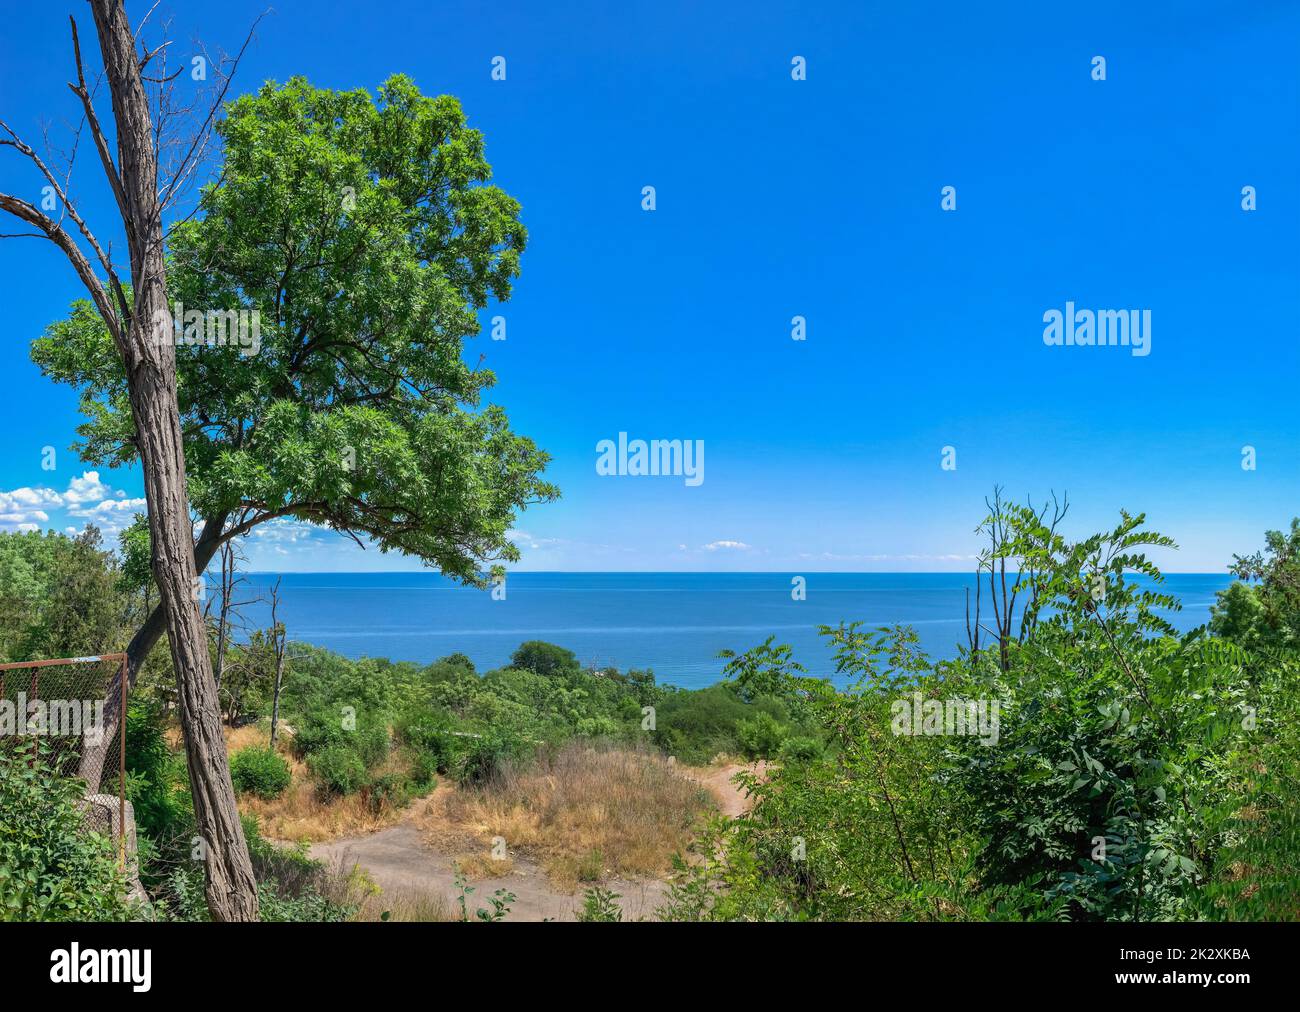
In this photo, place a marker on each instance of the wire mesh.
(65, 714)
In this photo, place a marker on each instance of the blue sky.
(818, 198)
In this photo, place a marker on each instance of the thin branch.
(21, 209)
(18, 144)
(185, 166)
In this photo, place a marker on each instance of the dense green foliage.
(259, 771)
(365, 233)
(355, 717)
(1262, 609)
(51, 867)
(59, 597)
(1128, 773)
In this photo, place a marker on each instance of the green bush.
(156, 781)
(392, 790)
(798, 749)
(761, 737)
(430, 734)
(51, 868)
(1114, 769)
(424, 770)
(697, 725)
(484, 756)
(259, 771)
(338, 769)
(544, 658)
(329, 726)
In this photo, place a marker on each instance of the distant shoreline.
(674, 623)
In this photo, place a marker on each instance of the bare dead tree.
(229, 607)
(144, 117)
(279, 644)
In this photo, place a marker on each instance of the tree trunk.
(151, 381)
(141, 646)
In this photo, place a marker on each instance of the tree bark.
(138, 650)
(150, 360)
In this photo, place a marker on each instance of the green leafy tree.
(544, 659)
(364, 233)
(60, 596)
(1264, 613)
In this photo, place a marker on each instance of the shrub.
(155, 778)
(338, 769)
(393, 790)
(323, 727)
(424, 770)
(485, 756)
(429, 734)
(51, 868)
(259, 771)
(696, 725)
(600, 906)
(798, 749)
(544, 658)
(761, 737)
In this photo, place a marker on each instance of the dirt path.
(400, 860)
(732, 799)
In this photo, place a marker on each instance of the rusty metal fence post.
(121, 765)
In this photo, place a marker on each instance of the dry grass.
(585, 814)
(409, 905)
(480, 865)
(301, 814)
(347, 883)
(251, 736)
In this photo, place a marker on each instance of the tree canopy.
(365, 234)
(59, 596)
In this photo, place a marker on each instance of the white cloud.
(111, 516)
(86, 498)
(88, 488)
(28, 498)
(24, 520)
(729, 546)
(284, 530)
(109, 508)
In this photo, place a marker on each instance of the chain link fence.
(66, 713)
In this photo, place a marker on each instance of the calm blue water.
(674, 623)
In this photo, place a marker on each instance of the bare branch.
(53, 231)
(96, 132)
(188, 163)
(70, 209)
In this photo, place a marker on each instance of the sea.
(672, 623)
